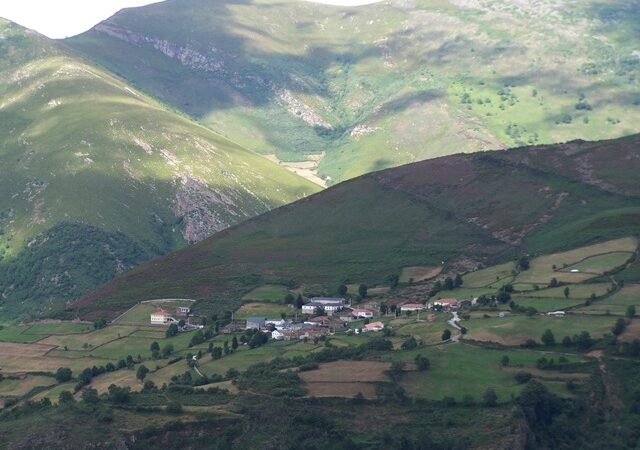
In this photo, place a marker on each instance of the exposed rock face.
(197, 205)
(215, 62)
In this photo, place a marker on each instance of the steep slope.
(87, 162)
(361, 89)
(462, 210)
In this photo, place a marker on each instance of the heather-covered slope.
(80, 150)
(461, 210)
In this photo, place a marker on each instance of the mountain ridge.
(494, 207)
(81, 147)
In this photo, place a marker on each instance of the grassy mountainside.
(361, 89)
(460, 209)
(79, 148)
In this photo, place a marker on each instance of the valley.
(383, 84)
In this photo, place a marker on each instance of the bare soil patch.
(347, 372)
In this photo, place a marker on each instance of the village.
(320, 316)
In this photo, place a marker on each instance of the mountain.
(461, 210)
(97, 177)
(337, 92)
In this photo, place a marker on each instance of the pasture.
(617, 303)
(544, 268)
(492, 277)
(461, 370)
(416, 274)
(516, 329)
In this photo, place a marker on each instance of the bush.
(174, 408)
(63, 374)
(522, 377)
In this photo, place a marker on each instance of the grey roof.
(321, 305)
(327, 299)
(256, 319)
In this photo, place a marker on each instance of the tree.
(631, 312)
(362, 291)
(523, 263)
(154, 347)
(619, 327)
(119, 394)
(422, 363)
(446, 335)
(383, 309)
(457, 282)
(548, 338)
(299, 301)
(567, 342)
(289, 299)
(99, 323)
(448, 283)
(342, 290)
(142, 372)
(90, 395)
(197, 338)
(216, 353)
(490, 398)
(174, 408)
(172, 330)
(504, 361)
(409, 344)
(396, 370)
(225, 348)
(65, 398)
(522, 377)
(567, 291)
(583, 340)
(167, 350)
(553, 283)
(234, 343)
(63, 374)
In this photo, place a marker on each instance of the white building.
(161, 317)
(362, 313)
(412, 307)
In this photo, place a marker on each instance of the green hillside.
(461, 210)
(345, 91)
(96, 177)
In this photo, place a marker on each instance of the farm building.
(318, 321)
(412, 307)
(329, 300)
(183, 311)
(362, 313)
(373, 326)
(445, 303)
(556, 313)
(327, 306)
(256, 322)
(346, 316)
(161, 317)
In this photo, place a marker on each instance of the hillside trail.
(453, 322)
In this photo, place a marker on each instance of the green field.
(491, 277)
(516, 329)
(461, 369)
(616, 303)
(601, 257)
